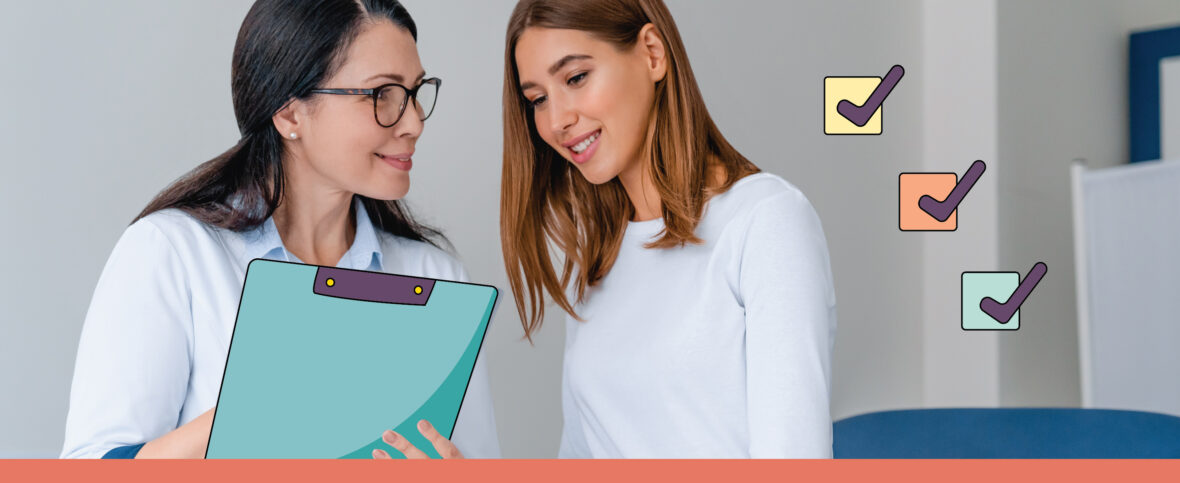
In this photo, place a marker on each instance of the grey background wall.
(105, 104)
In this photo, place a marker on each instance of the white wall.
(104, 104)
(959, 118)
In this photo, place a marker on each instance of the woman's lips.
(585, 155)
(574, 142)
(400, 161)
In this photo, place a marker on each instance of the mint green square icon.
(978, 285)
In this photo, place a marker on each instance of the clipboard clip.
(372, 286)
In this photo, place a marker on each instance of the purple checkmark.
(1003, 312)
(941, 210)
(860, 115)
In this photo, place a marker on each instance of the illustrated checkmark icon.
(941, 210)
(1003, 312)
(860, 115)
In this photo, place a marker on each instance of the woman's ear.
(651, 44)
(286, 120)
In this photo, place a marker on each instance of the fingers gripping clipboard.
(323, 360)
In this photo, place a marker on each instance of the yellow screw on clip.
(331, 282)
(418, 290)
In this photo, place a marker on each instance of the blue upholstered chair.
(1008, 433)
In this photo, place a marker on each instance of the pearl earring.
(292, 135)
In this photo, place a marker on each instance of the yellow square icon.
(855, 90)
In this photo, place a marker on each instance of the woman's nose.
(411, 123)
(562, 116)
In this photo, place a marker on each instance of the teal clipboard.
(323, 360)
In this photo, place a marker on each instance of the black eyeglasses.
(390, 100)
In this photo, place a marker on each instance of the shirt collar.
(364, 254)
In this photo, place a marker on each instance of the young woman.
(330, 97)
(699, 299)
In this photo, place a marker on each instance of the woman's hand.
(188, 441)
(443, 446)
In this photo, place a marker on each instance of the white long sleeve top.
(720, 350)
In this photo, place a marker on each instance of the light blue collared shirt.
(153, 346)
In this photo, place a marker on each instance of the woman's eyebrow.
(565, 60)
(556, 67)
(396, 77)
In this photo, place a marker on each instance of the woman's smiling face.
(338, 137)
(591, 102)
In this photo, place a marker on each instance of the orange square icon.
(911, 187)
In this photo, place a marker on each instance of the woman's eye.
(577, 79)
(537, 102)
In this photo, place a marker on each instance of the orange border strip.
(610, 471)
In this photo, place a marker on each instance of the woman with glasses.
(698, 293)
(330, 98)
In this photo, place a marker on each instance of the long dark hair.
(284, 49)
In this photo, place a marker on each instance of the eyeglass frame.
(411, 94)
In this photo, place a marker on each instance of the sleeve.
(475, 429)
(786, 288)
(134, 356)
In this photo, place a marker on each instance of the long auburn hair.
(544, 201)
(284, 49)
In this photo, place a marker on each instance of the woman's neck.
(645, 198)
(640, 188)
(637, 181)
(316, 226)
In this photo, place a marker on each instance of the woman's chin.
(389, 193)
(595, 176)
